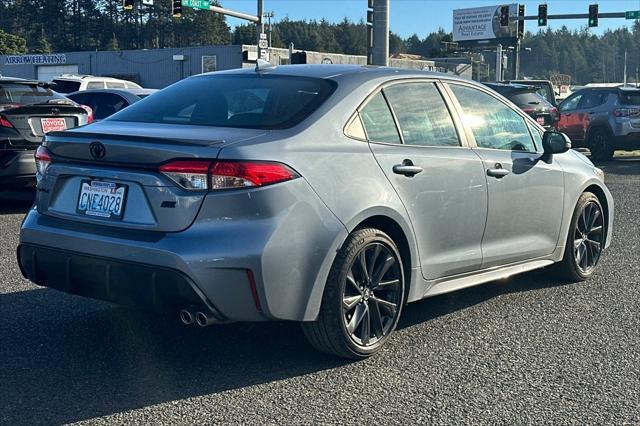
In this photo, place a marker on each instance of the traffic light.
(521, 23)
(542, 15)
(504, 16)
(593, 15)
(176, 8)
(128, 5)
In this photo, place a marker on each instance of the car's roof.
(331, 71)
(132, 91)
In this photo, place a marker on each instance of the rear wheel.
(600, 145)
(585, 240)
(363, 297)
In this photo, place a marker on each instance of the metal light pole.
(381, 32)
(499, 62)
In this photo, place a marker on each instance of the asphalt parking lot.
(524, 350)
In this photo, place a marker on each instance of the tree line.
(44, 26)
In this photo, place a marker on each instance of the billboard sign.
(482, 24)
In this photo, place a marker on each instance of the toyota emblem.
(97, 150)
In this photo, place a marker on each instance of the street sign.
(197, 4)
(632, 14)
(263, 44)
(147, 2)
(263, 36)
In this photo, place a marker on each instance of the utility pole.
(381, 32)
(499, 62)
(625, 67)
(516, 68)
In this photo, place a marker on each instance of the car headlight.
(599, 173)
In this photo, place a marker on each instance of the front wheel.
(363, 297)
(585, 240)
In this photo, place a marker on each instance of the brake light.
(89, 113)
(43, 160)
(625, 112)
(215, 175)
(242, 174)
(5, 123)
(189, 174)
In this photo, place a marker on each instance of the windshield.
(630, 97)
(65, 86)
(16, 93)
(248, 100)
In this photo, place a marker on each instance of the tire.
(360, 310)
(600, 145)
(574, 266)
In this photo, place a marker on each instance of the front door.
(440, 182)
(570, 118)
(526, 194)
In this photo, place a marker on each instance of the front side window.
(378, 121)
(593, 99)
(571, 103)
(422, 114)
(494, 124)
(95, 85)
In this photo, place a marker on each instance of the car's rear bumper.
(263, 258)
(17, 166)
(122, 282)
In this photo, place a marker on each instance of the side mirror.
(555, 143)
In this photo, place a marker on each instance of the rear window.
(26, 94)
(630, 97)
(249, 101)
(65, 86)
(528, 98)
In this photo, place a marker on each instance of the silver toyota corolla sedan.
(329, 195)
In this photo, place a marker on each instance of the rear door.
(525, 193)
(446, 200)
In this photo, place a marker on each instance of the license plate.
(102, 199)
(53, 124)
(540, 120)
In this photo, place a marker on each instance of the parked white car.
(67, 83)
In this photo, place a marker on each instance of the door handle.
(407, 168)
(497, 171)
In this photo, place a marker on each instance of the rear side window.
(378, 121)
(422, 115)
(115, 85)
(629, 97)
(593, 99)
(65, 86)
(26, 94)
(252, 101)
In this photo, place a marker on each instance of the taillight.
(189, 174)
(216, 175)
(243, 174)
(89, 113)
(43, 160)
(5, 123)
(625, 112)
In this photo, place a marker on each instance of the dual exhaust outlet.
(190, 316)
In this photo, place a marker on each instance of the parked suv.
(29, 110)
(602, 119)
(68, 83)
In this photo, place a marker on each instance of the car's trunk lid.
(129, 154)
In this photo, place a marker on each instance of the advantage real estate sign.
(483, 23)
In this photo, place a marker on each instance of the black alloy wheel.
(363, 297)
(585, 240)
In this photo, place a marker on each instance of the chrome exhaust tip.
(186, 316)
(204, 320)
